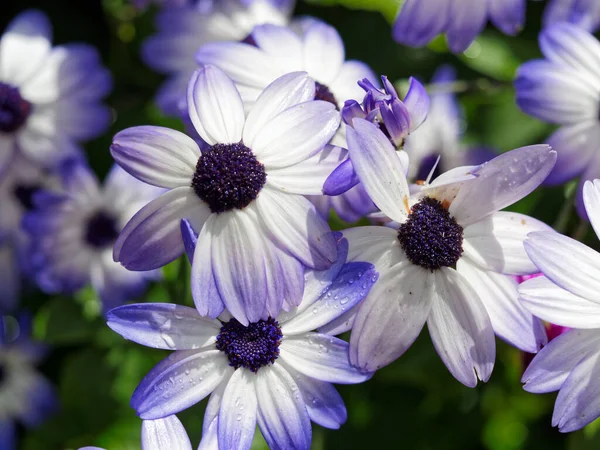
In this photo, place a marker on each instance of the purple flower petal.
(508, 15)
(167, 433)
(237, 415)
(342, 179)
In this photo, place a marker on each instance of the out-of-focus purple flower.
(27, 397)
(73, 233)
(275, 372)
(181, 31)
(419, 21)
(440, 135)
(18, 189)
(49, 96)
(567, 295)
(583, 13)
(446, 262)
(243, 194)
(166, 433)
(563, 89)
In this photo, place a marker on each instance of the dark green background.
(412, 404)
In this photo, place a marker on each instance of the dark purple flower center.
(322, 92)
(430, 237)
(14, 109)
(101, 230)
(252, 347)
(24, 193)
(228, 176)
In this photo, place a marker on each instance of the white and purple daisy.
(25, 395)
(49, 96)
(272, 51)
(440, 135)
(73, 233)
(275, 372)
(583, 13)
(244, 194)
(18, 188)
(567, 295)
(419, 21)
(564, 89)
(181, 31)
(161, 434)
(444, 263)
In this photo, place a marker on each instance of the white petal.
(375, 244)
(567, 262)
(379, 169)
(552, 365)
(553, 304)
(308, 177)
(298, 227)
(215, 106)
(165, 434)
(510, 319)
(296, 134)
(391, 317)
(496, 242)
(285, 92)
(156, 155)
(237, 416)
(460, 328)
(323, 52)
(23, 46)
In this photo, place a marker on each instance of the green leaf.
(388, 8)
(491, 56)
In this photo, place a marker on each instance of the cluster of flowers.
(281, 128)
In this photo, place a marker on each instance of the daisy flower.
(182, 30)
(244, 194)
(272, 51)
(49, 96)
(274, 372)
(567, 295)
(563, 89)
(18, 188)
(444, 263)
(161, 434)
(419, 21)
(440, 135)
(73, 233)
(25, 396)
(583, 13)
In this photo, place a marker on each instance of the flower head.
(243, 194)
(419, 21)
(274, 372)
(583, 13)
(89, 218)
(445, 261)
(49, 96)
(27, 397)
(567, 295)
(182, 30)
(564, 89)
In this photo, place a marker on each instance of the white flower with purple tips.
(73, 233)
(49, 96)
(444, 263)
(243, 195)
(419, 21)
(182, 30)
(567, 295)
(564, 89)
(274, 372)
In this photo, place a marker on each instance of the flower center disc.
(252, 347)
(228, 176)
(430, 237)
(322, 92)
(101, 230)
(14, 110)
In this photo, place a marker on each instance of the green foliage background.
(412, 404)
